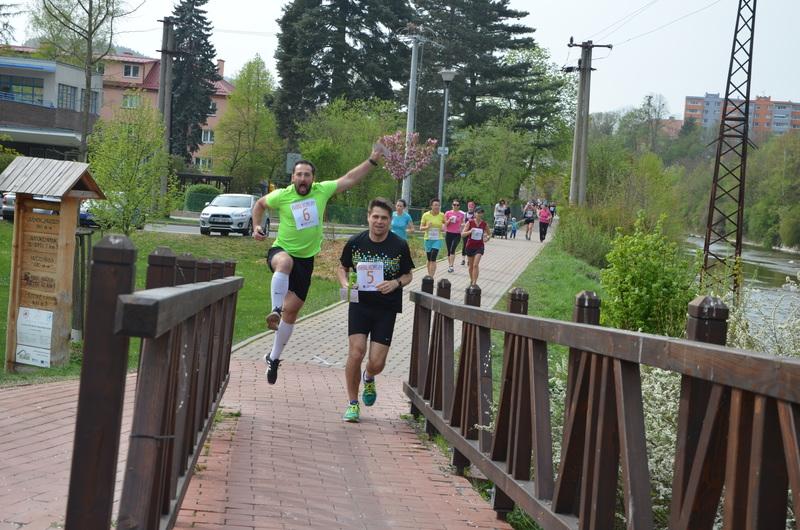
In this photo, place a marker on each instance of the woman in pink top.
(453, 221)
(544, 221)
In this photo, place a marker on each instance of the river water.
(765, 273)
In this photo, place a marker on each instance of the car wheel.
(249, 230)
(205, 232)
(224, 233)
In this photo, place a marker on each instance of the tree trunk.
(87, 98)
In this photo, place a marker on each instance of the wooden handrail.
(187, 331)
(738, 421)
(752, 371)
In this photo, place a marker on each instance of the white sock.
(281, 339)
(279, 288)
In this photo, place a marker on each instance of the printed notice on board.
(34, 332)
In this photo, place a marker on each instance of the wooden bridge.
(737, 433)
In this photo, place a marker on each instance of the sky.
(675, 48)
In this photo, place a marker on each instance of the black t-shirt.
(395, 256)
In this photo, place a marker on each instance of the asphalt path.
(195, 230)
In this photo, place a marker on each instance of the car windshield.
(235, 201)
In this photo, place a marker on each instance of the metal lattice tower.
(726, 206)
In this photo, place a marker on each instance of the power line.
(627, 18)
(687, 15)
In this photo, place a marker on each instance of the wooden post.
(433, 382)
(700, 402)
(420, 336)
(102, 389)
(469, 343)
(586, 311)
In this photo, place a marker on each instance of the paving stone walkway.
(281, 457)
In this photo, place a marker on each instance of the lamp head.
(447, 75)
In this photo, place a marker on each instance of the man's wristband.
(399, 283)
(371, 161)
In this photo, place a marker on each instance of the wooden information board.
(40, 297)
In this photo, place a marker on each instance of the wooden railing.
(738, 423)
(185, 319)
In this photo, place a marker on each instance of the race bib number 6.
(305, 214)
(369, 275)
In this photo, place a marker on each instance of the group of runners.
(374, 266)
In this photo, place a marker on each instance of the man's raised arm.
(357, 174)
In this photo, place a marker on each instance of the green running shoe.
(351, 414)
(369, 395)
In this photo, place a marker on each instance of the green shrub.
(580, 237)
(790, 226)
(648, 282)
(198, 195)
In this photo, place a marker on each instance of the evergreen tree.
(474, 37)
(194, 76)
(329, 49)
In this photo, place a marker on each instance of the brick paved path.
(281, 457)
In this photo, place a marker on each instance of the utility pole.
(577, 183)
(416, 42)
(165, 86)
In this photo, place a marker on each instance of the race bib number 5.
(369, 275)
(305, 214)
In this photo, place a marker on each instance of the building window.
(22, 89)
(92, 103)
(202, 163)
(131, 101)
(208, 136)
(67, 97)
(100, 69)
(212, 109)
(130, 70)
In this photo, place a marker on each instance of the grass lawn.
(253, 300)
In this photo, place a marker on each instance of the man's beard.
(302, 189)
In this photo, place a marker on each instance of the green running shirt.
(300, 216)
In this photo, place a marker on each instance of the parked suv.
(230, 212)
(8, 205)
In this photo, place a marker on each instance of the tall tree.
(127, 158)
(329, 49)
(80, 31)
(473, 37)
(194, 77)
(247, 143)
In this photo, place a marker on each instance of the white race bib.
(476, 234)
(370, 274)
(305, 214)
(433, 233)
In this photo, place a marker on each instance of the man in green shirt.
(301, 208)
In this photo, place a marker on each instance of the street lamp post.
(447, 76)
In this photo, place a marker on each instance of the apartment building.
(766, 116)
(40, 106)
(125, 73)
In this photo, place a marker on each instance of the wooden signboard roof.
(56, 178)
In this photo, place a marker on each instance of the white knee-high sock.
(281, 339)
(279, 288)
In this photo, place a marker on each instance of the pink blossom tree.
(403, 159)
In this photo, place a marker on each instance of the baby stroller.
(500, 227)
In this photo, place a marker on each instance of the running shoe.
(274, 318)
(351, 414)
(370, 394)
(463, 261)
(449, 269)
(272, 369)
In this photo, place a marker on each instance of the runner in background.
(402, 224)
(477, 231)
(469, 214)
(454, 222)
(432, 224)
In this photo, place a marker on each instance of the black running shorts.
(300, 277)
(473, 251)
(375, 322)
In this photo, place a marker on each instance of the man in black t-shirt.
(382, 265)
